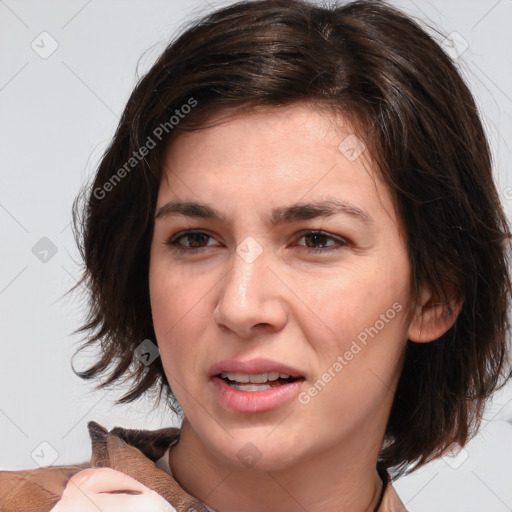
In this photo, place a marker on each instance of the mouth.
(252, 382)
(258, 385)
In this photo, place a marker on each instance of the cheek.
(361, 362)
(356, 306)
(181, 310)
(359, 358)
(174, 295)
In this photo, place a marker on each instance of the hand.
(108, 490)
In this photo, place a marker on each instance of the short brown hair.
(407, 102)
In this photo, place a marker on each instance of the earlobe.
(432, 318)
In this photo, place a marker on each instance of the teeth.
(256, 378)
(249, 387)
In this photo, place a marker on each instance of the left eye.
(320, 240)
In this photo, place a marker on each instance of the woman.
(298, 209)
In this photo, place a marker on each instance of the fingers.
(107, 490)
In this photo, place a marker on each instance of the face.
(279, 286)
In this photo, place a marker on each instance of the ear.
(432, 318)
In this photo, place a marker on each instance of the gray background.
(58, 115)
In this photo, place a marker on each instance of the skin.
(296, 304)
(93, 489)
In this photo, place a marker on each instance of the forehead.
(272, 157)
(265, 133)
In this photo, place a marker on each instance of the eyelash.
(173, 242)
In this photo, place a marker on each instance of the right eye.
(191, 240)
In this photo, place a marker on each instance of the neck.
(342, 479)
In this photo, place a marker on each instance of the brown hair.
(406, 100)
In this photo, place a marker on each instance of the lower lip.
(254, 401)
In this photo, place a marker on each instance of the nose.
(251, 299)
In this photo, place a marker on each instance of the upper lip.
(252, 366)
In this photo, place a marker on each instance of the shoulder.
(129, 451)
(37, 490)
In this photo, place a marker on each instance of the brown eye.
(319, 240)
(191, 240)
(196, 239)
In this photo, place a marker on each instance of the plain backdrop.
(66, 70)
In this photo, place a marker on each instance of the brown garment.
(133, 452)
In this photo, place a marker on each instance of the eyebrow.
(294, 212)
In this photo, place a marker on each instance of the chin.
(256, 450)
